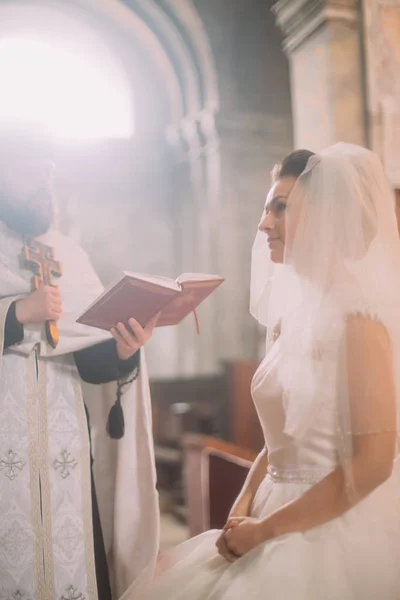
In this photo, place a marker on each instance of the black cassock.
(97, 364)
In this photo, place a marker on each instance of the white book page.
(197, 277)
(156, 279)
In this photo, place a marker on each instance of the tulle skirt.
(353, 557)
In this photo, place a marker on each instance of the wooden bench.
(214, 473)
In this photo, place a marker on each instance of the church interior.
(169, 116)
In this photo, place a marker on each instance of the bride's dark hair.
(292, 165)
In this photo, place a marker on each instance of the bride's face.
(273, 221)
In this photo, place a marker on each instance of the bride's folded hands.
(223, 549)
(242, 534)
(242, 508)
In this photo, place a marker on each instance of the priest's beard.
(32, 216)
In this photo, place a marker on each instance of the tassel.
(196, 320)
(116, 421)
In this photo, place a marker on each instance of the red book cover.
(143, 296)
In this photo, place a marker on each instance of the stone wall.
(322, 40)
(382, 46)
(210, 87)
(255, 130)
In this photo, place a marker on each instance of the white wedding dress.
(353, 557)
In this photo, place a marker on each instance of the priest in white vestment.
(64, 536)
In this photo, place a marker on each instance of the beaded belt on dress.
(307, 475)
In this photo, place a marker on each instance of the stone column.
(251, 143)
(323, 43)
(196, 151)
(382, 49)
(222, 172)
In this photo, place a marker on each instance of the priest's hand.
(130, 341)
(44, 304)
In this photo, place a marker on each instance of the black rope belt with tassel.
(116, 421)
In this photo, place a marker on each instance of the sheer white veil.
(342, 259)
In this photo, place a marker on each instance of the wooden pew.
(214, 472)
(206, 434)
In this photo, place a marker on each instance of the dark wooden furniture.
(244, 426)
(221, 406)
(206, 434)
(214, 473)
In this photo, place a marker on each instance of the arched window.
(73, 86)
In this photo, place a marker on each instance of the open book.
(143, 296)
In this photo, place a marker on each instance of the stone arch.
(170, 38)
(173, 36)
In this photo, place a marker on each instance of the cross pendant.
(40, 259)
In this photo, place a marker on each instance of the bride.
(319, 515)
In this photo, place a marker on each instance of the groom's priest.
(61, 534)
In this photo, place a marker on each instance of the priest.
(79, 513)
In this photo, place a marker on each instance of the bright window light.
(72, 94)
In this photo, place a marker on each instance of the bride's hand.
(223, 549)
(221, 543)
(242, 534)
